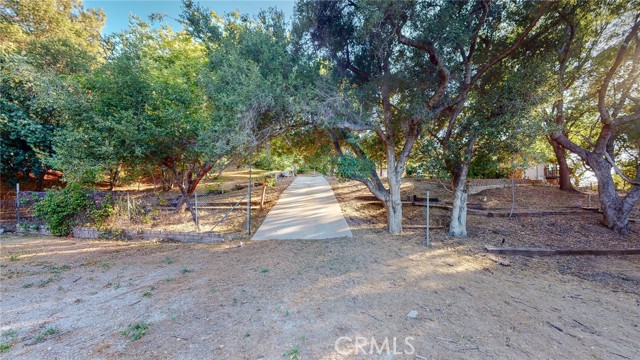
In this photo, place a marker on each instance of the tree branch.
(443, 73)
(563, 140)
(408, 145)
(355, 70)
(622, 52)
(474, 41)
(519, 41)
(618, 171)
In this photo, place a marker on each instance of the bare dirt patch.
(581, 230)
(269, 298)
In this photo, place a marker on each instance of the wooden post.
(249, 202)
(513, 188)
(196, 205)
(17, 206)
(128, 207)
(428, 240)
(264, 192)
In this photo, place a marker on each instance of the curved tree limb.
(434, 58)
(602, 92)
(519, 41)
(618, 171)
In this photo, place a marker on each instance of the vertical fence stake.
(17, 206)
(428, 240)
(249, 202)
(128, 207)
(197, 219)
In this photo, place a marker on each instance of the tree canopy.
(453, 88)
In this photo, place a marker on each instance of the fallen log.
(487, 213)
(537, 213)
(416, 198)
(563, 252)
(422, 226)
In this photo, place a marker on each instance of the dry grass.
(153, 210)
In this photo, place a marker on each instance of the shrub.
(102, 212)
(61, 208)
(136, 330)
(350, 167)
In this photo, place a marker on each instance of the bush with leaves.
(102, 211)
(62, 208)
(351, 167)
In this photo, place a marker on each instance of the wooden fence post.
(428, 240)
(17, 206)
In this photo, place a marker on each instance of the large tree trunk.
(187, 183)
(615, 210)
(40, 180)
(113, 177)
(459, 172)
(564, 173)
(186, 202)
(394, 203)
(458, 225)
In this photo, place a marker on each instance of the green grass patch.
(53, 269)
(293, 353)
(10, 334)
(46, 282)
(136, 331)
(44, 334)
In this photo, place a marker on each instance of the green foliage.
(5, 347)
(62, 208)
(267, 160)
(45, 282)
(351, 167)
(10, 334)
(101, 213)
(293, 353)
(45, 46)
(136, 331)
(44, 334)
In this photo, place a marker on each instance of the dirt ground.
(578, 229)
(331, 299)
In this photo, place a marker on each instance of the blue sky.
(118, 10)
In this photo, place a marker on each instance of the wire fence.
(219, 209)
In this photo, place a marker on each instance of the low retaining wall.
(187, 237)
(83, 232)
(475, 189)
